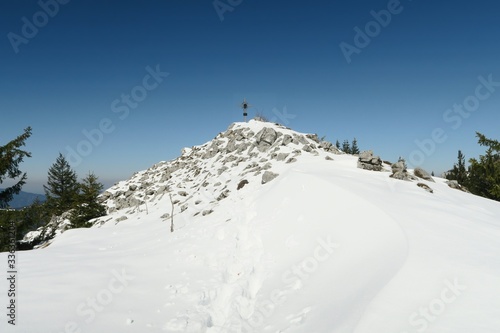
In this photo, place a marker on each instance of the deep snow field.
(324, 247)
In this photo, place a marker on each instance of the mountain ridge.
(24, 199)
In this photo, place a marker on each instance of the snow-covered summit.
(275, 231)
(246, 153)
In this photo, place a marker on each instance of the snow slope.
(323, 247)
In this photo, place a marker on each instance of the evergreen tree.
(10, 158)
(354, 147)
(88, 205)
(62, 186)
(346, 148)
(484, 174)
(459, 172)
(337, 144)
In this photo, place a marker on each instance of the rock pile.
(208, 173)
(399, 171)
(368, 161)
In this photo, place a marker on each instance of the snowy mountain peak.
(246, 153)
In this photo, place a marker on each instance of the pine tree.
(459, 172)
(484, 174)
(62, 186)
(346, 148)
(88, 205)
(354, 147)
(337, 144)
(10, 158)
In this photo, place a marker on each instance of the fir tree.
(354, 147)
(346, 148)
(88, 205)
(10, 158)
(484, 174)
(458, 173)
(62, 186)
(337, 144)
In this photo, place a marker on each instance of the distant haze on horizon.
(119, 86)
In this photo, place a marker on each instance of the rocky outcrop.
(368, 161)
(206, 174)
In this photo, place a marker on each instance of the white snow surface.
(324, 247)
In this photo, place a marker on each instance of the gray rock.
(231, 146)
(281, 157)
(400, 172)
(368, 161)
(268, 176)
(301, 139)
(223, 195)
(121, 218)
(221, 170)
(313, 137)
(307, 148)
(242, 184)
(399, 167)
(425, 187)
(265, 138)
(421, 173)
(286, 139)
(207, 212)
(455, 185)
(328, 147)
(132, 187)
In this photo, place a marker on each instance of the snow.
(324, 247)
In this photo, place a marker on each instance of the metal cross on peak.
(245, 106)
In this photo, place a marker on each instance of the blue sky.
(396, 94)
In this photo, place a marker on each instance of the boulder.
(455, 185)
(368, 161)
(265, 138)
(286, 139)
(313, 137)
(400, 172)
(307, 148)
(421, 173)
(241, 184)
(268, 176)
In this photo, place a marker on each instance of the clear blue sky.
(75, 72)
